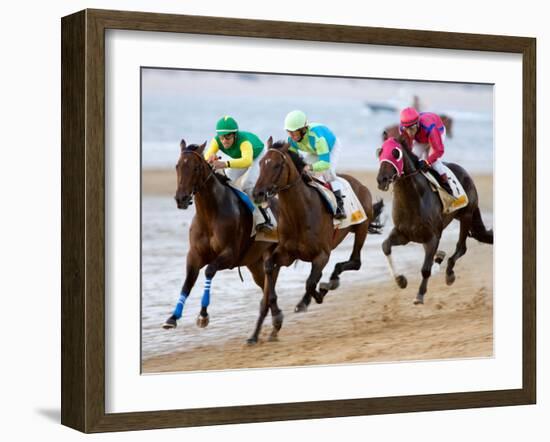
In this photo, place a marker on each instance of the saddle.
(353, 208)
(451, 203)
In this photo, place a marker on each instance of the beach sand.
(163, 182)
(363, 323)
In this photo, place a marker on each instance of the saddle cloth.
(457, 200)
(355, 213)
(257, 217)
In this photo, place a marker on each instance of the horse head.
(277, 171)
(192, 171)
(396, 161)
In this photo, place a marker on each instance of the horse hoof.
(419, 300)
(203, 321)
(170, 324)
(439, 257)
(300, 308)
(401, 281)
(320, 296)
(277, 321)
(252, 341)
(450, 278)
(273, 338)
(333, 284)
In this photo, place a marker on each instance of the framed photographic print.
(268, 221)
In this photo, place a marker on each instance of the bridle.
(275, 190)
(403, 176)
(196, 189)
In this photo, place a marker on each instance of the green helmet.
(226, 125)
(295, 120)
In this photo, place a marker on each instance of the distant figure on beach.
(238, 153)
(321, 149)
(425, 133)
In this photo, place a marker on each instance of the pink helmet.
(409, 116)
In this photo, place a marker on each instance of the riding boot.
(267, 225)
(340, 212)
(444, 181)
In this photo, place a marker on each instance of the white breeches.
(422, 151)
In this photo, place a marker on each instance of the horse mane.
(298, 161)
(192, 147)
(407, 151)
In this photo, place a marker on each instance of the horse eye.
(378, 152)
(396, 154)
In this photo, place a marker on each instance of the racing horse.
(305, 227)
(417, 211)
(219, 236)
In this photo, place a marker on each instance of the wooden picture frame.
(83, 220)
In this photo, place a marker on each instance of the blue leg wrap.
(205, 302)
(179, 306)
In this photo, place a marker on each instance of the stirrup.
(447, 188)
(340, 214)
(266, 227)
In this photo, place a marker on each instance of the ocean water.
(180, 104)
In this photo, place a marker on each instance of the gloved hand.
(423, 165)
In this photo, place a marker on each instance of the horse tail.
(478, 230)
(375, 226)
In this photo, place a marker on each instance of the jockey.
(239, 153)
(321, 149)
(427, 129)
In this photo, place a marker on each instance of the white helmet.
(295, 120)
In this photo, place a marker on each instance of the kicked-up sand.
(361, 323)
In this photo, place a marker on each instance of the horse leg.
(430, 248)
(222, 261)
(395, 238)
(276, 313)
(465, 226)
(193, 267)
(353, 263)
(271, 271)
(317, 266)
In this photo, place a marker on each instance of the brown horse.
(219, 235)
(417, 211)
(393, 131)
(305, 226)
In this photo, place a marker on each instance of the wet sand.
(369, 323)
(163, 182)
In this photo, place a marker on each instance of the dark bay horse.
(393, 131)
(219, 236)
(305, 227)
(417, 211)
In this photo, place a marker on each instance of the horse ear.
(200, 149)
(285, 147)
(182, 144)
(384, 135)
(270, 142)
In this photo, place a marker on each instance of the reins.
(196, 189)
(289, 185)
